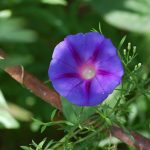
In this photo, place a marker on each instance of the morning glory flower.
(85, 68)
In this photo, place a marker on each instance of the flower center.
(88, 72)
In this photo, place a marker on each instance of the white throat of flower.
(88, 72)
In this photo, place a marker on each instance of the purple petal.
(97, 93)
(66, 75)
(111, 65)
(110, 73)
(63, 77)
(63, 54)
(108, 82)
(87, 90)
(84, 44)
(74, 52)
(104, 72)
(78, 95)
(106, 50)
(87, 94)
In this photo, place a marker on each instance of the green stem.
(66, 137)
(90, 135)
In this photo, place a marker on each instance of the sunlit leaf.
(55, 2)
(125, 20)
(19, 112)
(6, 119)
(108, 141)
(26, 148)
(134, 5)
(5, 13)
(12, 30)
(130, 15)
(53, 114)
(40, 145)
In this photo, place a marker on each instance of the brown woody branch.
(45, 93)
(33, 84)
(134, 139)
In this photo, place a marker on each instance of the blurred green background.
(29, 31)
